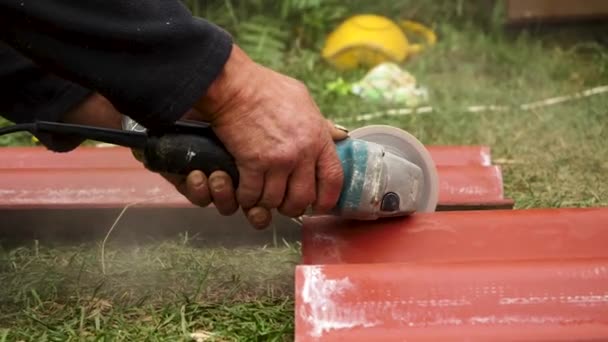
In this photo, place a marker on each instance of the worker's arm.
(151, 58)
(154, 62)
(29, 93)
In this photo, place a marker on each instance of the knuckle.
(333, 174)
(270, 202)
(297, 205)
(291, 212)
(247, 197)
(307, 197)
(286, 159)
(325, 205)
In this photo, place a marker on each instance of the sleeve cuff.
(69, 97)
(212, 59)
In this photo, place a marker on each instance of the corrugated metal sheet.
(506, 301)
(536, 275)
(111, 177)
(459, 236)
(119, 157)
(457, 275)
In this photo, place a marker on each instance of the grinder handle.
(179, 153)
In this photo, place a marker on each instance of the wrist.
(95, 110)
(233, 83)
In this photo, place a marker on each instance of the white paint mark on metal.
(435, 227)
(68, 195)
(512, 319)
(466, 190)
(486, 159)
(154, 191)
(582, 299)
(323, 314)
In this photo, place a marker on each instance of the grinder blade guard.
(402, 145)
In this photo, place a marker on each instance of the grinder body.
(369, 190)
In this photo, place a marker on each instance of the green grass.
(556, 156)
(156, 291)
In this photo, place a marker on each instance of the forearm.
(151, 59)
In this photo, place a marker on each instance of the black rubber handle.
(179, 153)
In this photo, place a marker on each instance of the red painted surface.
(536, 275)
(80, 158)
(76, 188)
(563, 300)
(119, 157)
(110, 177)
(462, 185)
(459, 236)
(461, 155)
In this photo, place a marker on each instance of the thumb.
(337, 132)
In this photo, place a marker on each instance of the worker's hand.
(282, 145)
(219, 190)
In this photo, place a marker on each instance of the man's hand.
(219, 190)
(282, 145)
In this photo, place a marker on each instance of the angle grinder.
(387, 171)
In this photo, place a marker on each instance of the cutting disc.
(405, 145)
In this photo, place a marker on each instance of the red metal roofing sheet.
(111, 177)
(76, 188)
(459, 236)
(120, 157)
(461, 155)
(80, 158)
(505, 301)
(539, 274)
(460, 186)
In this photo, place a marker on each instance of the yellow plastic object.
(370, 39)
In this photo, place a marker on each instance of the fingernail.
(197, 179)
(342, 128)
(259, 217)
(217, 184)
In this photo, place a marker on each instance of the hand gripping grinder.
(387, 172)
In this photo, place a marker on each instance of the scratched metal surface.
(536, 275)
(503, 301)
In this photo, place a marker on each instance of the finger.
(222, 193)
(275, 184)
(337, 132)
(300, 191)
(178, 181)
(197, 189)
(329, 180)
(258, 217)
(250, 187)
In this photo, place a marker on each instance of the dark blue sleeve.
(151, 58)
(29, 93)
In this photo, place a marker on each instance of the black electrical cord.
(111, 136)
(17, 128)
(132, 139)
